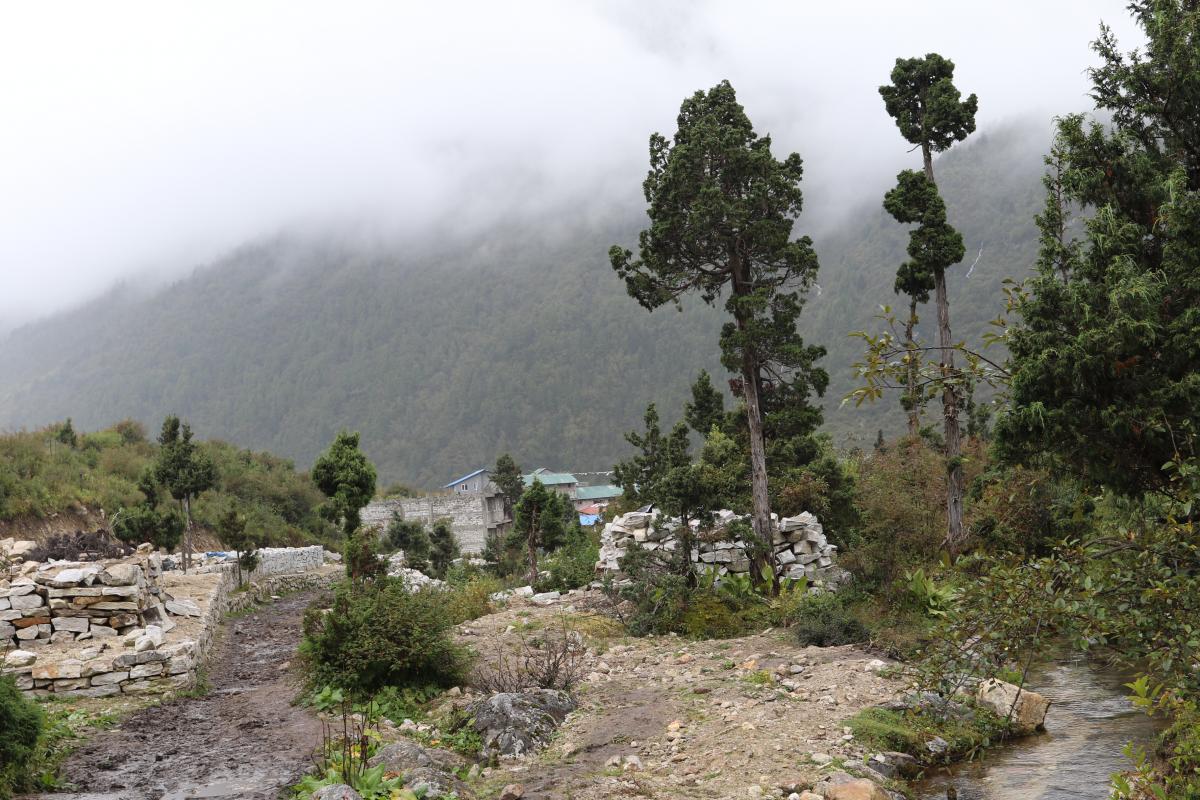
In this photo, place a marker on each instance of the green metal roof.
(549, 478)
(598, 492)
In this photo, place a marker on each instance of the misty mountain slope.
(992, 187)
(518, 341)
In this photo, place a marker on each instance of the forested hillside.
(444, 356)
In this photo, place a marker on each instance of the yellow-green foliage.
(471, 600)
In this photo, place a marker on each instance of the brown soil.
(79, 518)
(705, 718)
(244, 738)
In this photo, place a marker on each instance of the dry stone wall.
(115, 628)
(799, 545)
(288, 560)
(71, 600)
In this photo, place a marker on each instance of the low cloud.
(143, 139)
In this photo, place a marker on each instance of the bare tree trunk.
(531, 540)
(187, 533)
(760, 499)
(955, 480)
(914, 391)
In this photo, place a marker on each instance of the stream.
(1089, 723)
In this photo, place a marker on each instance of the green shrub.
(410, 536)
(142, 523)
(443, 548)
(361, 557)
(378, 634)
(21, 722)
(571, 566)
(825, 620)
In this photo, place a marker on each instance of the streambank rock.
(843, 786)
(1028, 708)
(519, 723)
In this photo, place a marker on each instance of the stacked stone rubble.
(79, 600)
(800, 547)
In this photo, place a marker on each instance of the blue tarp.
(589, 519)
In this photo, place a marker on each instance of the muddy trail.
(244, 738)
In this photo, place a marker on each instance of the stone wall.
(286, 560)
(466, 512)
(147, 657)
(799, 545)
(67, 601)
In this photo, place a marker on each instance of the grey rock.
(19, 658)
(151, 670)
(422, 767)
(339, 791)
(72, 624)
(183, 608)
(906, 765)
(518, 723)
(27, 601)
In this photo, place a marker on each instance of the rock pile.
(73, 600)
(800, 547)
(413, 579)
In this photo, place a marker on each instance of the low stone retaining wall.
(80, 600)
(288, 560)
(156, 659)
(260, 591)
(799, 545)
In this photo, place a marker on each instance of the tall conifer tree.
(722, 209)
(930, 113)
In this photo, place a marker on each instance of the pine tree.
(508, 480)
(722, 209)
(347, 478)
(933, 247)
(184, 471)
(640, 477)
(706, 409)
(443, 548)
(534, 517)
(1104, 379)
(927, 108)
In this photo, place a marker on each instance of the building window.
(463, 487)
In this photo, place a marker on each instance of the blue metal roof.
(464, 478)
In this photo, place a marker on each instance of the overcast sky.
(145, 138)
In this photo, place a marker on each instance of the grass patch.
(596, 627)
(966, 732)
(760, 677)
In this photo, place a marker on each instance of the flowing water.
(1089, 723)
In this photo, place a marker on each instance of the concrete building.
(596, 495)
(561, 482)
(471, 503)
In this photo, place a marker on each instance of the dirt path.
(243, 739)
